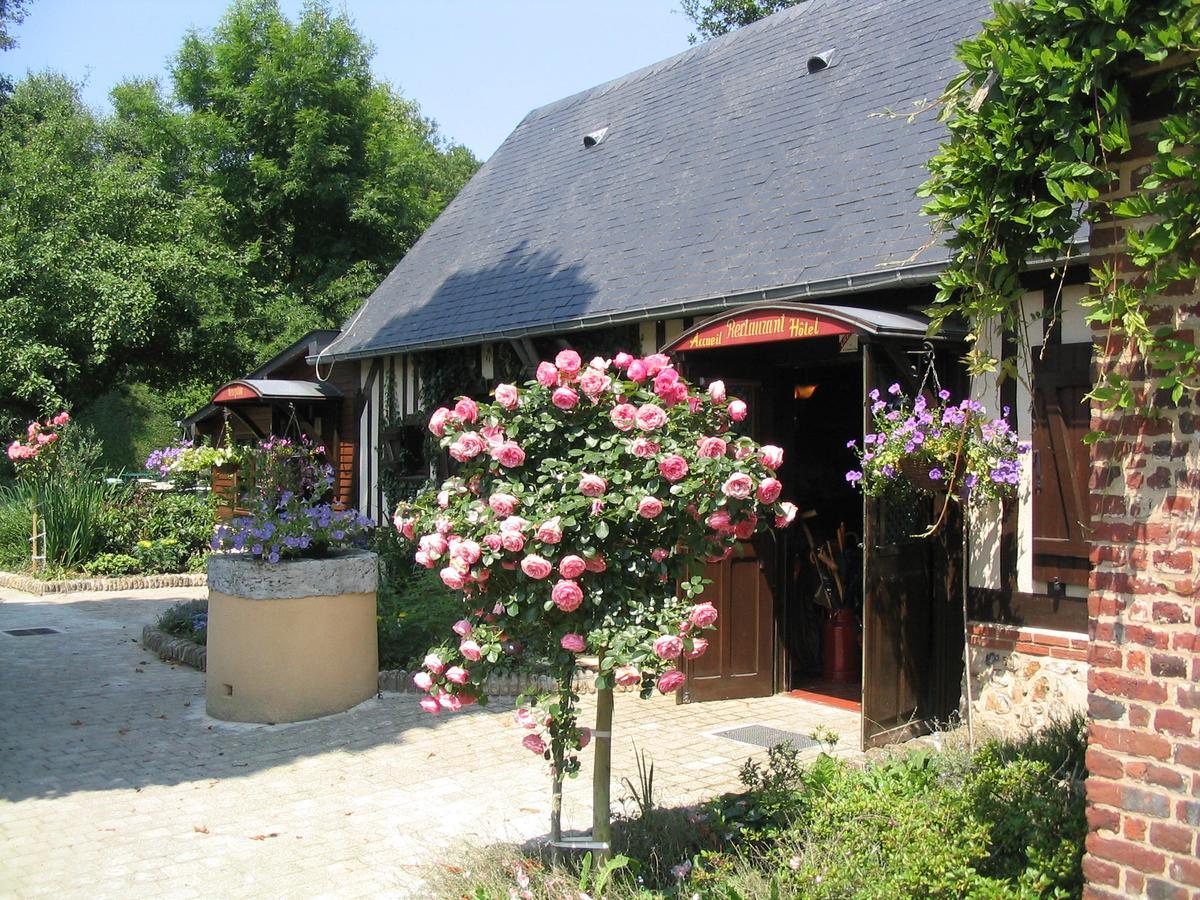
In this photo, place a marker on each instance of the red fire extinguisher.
(841, 660)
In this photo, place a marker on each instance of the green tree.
(105, 275)
(12, 12)
(714, 18)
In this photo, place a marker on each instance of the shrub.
(414, 611)
(187, 620)
(111, 564)
(186, 518)
(160, 555)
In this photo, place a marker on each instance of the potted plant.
(291, 628)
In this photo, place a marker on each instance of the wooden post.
(601, 803)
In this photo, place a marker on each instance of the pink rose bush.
(583, 503)
(33, 452)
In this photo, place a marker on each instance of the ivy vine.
(1043, 109)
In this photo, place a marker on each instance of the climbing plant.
(1044, 106)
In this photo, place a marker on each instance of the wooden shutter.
(1061, 514)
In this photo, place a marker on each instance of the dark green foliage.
(714, 18)
(187, 620)
(140, 526)
(113, 564)
(415, 611)
(130, 421)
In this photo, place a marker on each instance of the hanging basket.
(917, 472)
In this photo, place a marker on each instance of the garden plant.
(584, 507)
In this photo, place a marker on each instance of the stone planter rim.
(348, 571)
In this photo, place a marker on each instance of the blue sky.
(475, 66)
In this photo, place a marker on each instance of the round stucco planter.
(291, 640)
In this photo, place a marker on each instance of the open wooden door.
(909, 596)
(740, 658)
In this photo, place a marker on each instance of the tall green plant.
(72, 512)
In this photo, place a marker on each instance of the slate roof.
(729, 173)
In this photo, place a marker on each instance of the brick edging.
(1031, 641)
(176, 649)
(37, 586)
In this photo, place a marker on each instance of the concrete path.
(114, 783)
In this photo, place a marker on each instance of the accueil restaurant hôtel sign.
(761, 327)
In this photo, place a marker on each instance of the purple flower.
(854, 476)
(935, 474)
(889, 471)
(874, 395)
(869, 438)
(894, 389)
(850, 444)
(943, 395)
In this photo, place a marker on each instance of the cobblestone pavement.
(114, 783)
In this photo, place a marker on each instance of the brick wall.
(1143, 758)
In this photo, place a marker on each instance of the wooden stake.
(601, 802)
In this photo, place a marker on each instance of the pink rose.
(649, 507)
(772, 456)
(547, 375)
(719, 521)
(466, 409)
(711, 447)
(627, 676)
(597, 507)
(568, 361)
(567, 595)
(423, 559)
(571, 566)
(694, 403)
(624, 416)
(443, 525)
(437, 422)
(738, 486)
(493, 542)
(655, 363)
(453, 578)
(745, 528)
(636, 371)
(534, 743)
(508, 396)
(430, 705)
(509, 455)
(503, 504)
(457, 675)
(643, 448)
(599, 363)
(787, 514)
(564, 398)
(622, 360)
(650, 417)
(423, 681)
(737, 410)
(768, 490)
(61, 419)
(525, 718)
(668, 646)
(702, 615)
(466, 550)
(550, 531)
(716, 392)
(468, 446)
(404, 525)
(536, 567)
(573, 643)
(596, 564)
(449, 701)
(462, 628)
(512, 541)
(443, 499)
(699, 645)
(470, 650)
(434, 664)
(594, 384)
(671, 680)
(592, 485)
(434, 544)
(658, 554)
(673, 467)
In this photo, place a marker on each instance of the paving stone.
(114, 783)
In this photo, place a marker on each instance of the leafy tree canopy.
(714, 18)
(196, 231)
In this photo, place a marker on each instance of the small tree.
(584, 508)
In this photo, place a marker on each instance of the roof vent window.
(822, 60)
(592, 138)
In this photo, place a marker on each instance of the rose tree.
(584, 507)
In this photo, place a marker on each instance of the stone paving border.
(37, 586)
(175, 649)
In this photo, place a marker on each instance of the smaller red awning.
(251, 389)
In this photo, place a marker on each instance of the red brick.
(1135, 883)
(1176, 503)
(1147, 637)
(1102, 791)
(1175, 838)
(1103, 818)
(1188, 698)
(1173, 560)
(1068, 653)
(1134, 829)
(1124, 686)
(1134, 743)
(1104, 553)
(1173, 722)
(1097, 871)
(1164, 777)
(1091, 892)
(1188, 755)
(1158, 889)
(1187, 538)
(1139, 716)
(1102, 764)
(1170, 613)
(1135, 856)
(1185, 640)
(1186, 871)
(1100, 655)
(1146, 803)
(1166, 666)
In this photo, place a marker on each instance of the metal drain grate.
(765, 736)
(29, 632)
